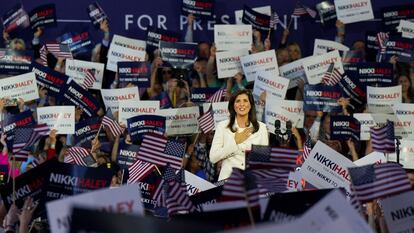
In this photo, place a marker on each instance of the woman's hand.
(242, 136)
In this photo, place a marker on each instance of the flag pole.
(14, 179)
(249, 210)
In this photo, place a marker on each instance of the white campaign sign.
(407, 153)
(265, 61)
(61, 118)
(77, 70)
(293, 71)
(326, 168)
(228, 62)
(196, 184)
(220, 112)
(382, 99)
(294, 181)
(404, 124)
(293, 106)
(238, 15)
(180, 120)
(372, 158)
(274, 111)
(122, 200)
(324, 46)
(273, 85)
(316, 66)
(399, 212)
(112, 97)
(369, 120)
(139, 45)
(21, 86)
(351, 11)
(119, 53)
(233, 37)
(128, 109)
(407, 29)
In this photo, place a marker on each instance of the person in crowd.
(406, 87)
(237, 134)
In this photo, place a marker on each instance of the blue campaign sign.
(74, 94)
(138, 73)
(127, 154)
(178, 55)
(140, 125)
(52, 80)
(15, 62)
(322, 98)
(344, 127)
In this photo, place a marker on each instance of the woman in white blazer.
(237, 134)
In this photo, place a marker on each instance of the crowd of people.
(213, 155)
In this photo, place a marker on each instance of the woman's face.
(294, 52)
(405, 83)
(242, 105)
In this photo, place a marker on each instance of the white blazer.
(224, 147)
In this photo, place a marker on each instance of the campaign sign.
(372, 158)
(178, 55)
(137, 73)
(373, 74)
(382, 99)
(148, 186)
(344, 127)
(406, 28)
(354, 90)
(201, 95)
(78, 43)
(351, 11)
(233, 37)
(181, 120)
(60, 118)
(22, 86)
(220, 112)
(196, 184)
(322, 98)
(198, 8)
(316, 66)
(28, 184)
(327, 13)
(122, 200)
(129, 43)
(77, 69)
(228, 62)
(398, 212)
(143, 124)
(258, 20)
(15, 62)
(404, 123)
(292, 106)
(119, 53)
(324, 46)
(253, 63)
(52, 80)
(163, 99)
(293, 71)
(44, 15)
(275, 113)
(407, 153)
(96, 14)
(22, 119)
(86, 130)
(392, 15)
(238, 14)
(155, 35)
(112, 97)
(74, 94)
(273, 85)
(130, 108)
(68, 179)
(369, 120)
(14, 18)
(371, 44)
(326, 168)
(401, 47)
(127, 154)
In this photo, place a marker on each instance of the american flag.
(206, 121)
(271, 180)
(89, 79)
(274, 19)
(241, 185)
(2, 53)
(307, 147)
(43, 55)
(218, 96)
(159, 150)
(272, 157)
(138, 170)
(25, 137)
(177, 198)
(59, 50)
(113, 126)
(332, 76)
(378, 180)
(301, 10)
(382, 38)
(79, 156)
(382, 139)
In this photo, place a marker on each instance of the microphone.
(281, 136)
(277, 127)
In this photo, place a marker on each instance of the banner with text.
(74, 94)
(112, 97)
(228, 62)
(137, 73)
(233, 37)
(142, 124)
(15, 62)
(198, 8)
(344, 127)
(322, 98)
(316, 66)
(61, 118)
(78, 69)
(178, 55)
(22, 86)
(263, 61)
(52, 80)
(131, 108)
(181, 120)
(352, 11)
(42, 16)
(382, 99)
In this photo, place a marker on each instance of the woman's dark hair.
(252, 113)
